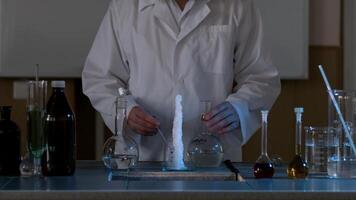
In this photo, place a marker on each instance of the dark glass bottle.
(60, 150)
(9, 144)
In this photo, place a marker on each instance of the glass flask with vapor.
(205, 150)
(120, 151)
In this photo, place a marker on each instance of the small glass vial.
(298, 168)
(120, 151)
(263, 167)
(26, 166)
(205, 150)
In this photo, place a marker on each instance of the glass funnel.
(263, 167)
(205, 150)
(120, 150)
(298, 168)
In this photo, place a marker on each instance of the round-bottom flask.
(120, 153)
(206, 151)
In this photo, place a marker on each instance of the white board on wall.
(350, 45)
(57, 34)
(286, 29)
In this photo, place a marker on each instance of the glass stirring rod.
(164, 138)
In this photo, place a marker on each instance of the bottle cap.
(299, 110)
(58, 84)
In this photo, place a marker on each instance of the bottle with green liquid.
(36, 101)
(35, 117)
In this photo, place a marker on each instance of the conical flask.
(120, 151)
(205, 150)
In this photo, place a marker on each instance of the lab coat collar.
(195, 18)
(162, 12)
(142, 4)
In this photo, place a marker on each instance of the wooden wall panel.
(85, 125)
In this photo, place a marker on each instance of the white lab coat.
(214, 55)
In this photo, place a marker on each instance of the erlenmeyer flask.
(120, 151)
(205, 150)
(263, 167)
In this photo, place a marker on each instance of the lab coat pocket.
(213, 49)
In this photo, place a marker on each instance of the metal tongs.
(234, 170)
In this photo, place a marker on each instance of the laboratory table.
(91, 182)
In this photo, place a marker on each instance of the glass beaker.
(36, 109)
(347, 103)
(205, 150)
(120, 151)
(170, 163)
(319, 142)
(342, 164)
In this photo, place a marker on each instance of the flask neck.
(298, 134)
(205, 108)
(264, 133)
(5, 113)
(204, 128)
(120, 115)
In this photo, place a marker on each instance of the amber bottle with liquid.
(60, 150)
(298, 168)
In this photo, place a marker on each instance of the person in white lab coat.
(201, 49)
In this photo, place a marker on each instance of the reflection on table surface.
(92, 176)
